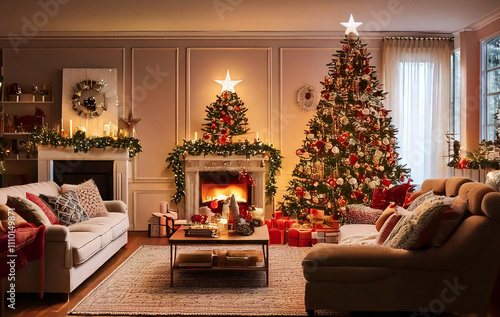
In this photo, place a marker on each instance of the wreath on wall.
(306, 98)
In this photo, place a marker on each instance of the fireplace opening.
(221, 185)
(77, 172)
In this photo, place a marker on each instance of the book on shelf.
(238, 258)
(195, 259)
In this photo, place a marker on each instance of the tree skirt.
(141, 286)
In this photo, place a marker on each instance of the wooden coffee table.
(259, 237)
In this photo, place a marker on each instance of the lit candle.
(62, 124)
(257, 136)
(196, 136)
(70, 128)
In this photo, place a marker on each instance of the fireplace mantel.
(256, 165)
(48, 154)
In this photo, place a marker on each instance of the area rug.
(141, 286)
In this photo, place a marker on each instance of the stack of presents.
(283, 230)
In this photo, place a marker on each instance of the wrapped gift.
(276, 236)
(281, 224)
(317, 237)
(289, 223)
(279, 215)
(158, 225)
(299, 238)
(268, 224)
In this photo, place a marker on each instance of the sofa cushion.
(346, 231)
(382, 198)
(28, 210)
(361, 214)
(43, 206)
(384, 216)
(5, 213)
(66, 207)
(84, 245)
(386, 229)
(103, 231)
(448, 221)
(410, 235)
(420, 199)
(117, 221)
(89, 197)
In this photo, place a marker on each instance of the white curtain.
(416, 75)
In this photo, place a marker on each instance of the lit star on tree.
(228, 84)
(351, 26)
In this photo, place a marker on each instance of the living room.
(310, 111)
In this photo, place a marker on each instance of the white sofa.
(72, 253)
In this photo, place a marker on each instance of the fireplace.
(223, 170)
(77, 172)
(106, 166)
(221, 185)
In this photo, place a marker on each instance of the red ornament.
(237, 108)
(342, 201)
(353, 158)
(214, 204)
(224, 95)
(346, 47)
(325, 94)
(224, 118)
(356, 194)
(206, 136)
(223, 131)
(299, 152)
(299, 191)
(387, 182)
(214, 126)
(366, 70)
(361, 177)
(331, 182)
(223, 139)
(368, 88)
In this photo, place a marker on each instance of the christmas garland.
(485, 157)
(81, 143)
(199, 147)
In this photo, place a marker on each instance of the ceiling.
(29, 18)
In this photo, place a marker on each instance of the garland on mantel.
(81, 143)
(199, 147)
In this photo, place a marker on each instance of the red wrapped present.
(276, 236)
(269, 224)
(279, 215)
(289, 223)
(299, 238)
(281, 224)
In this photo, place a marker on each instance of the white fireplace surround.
(120, 157)
(255, 165)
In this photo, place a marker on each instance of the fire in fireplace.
(221, 185)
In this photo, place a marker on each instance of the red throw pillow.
(382, 198)
(410, 197)
(46, 210)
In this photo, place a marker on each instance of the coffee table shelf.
(259, 237)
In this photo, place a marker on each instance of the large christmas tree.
(350, 145)
(226, 116)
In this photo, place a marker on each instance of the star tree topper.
(228, 84)
(351, 26)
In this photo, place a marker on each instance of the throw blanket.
(29, 246)
(360, 239)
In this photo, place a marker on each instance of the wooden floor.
(55, 305)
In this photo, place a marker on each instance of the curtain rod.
(417, 38)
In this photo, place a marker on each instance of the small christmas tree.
(226, 116)
(350, 145)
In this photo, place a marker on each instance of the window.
(455, 96)
(491, 89)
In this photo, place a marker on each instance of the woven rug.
(141, 286)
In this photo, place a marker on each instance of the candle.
(196, 135)
(70, 128)
(257, 136)
(62, 124)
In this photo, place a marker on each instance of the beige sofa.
(72, 253)
(457, 277)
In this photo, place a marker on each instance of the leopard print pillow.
(89, 197)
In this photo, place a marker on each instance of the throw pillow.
(9, 215)
(46, 210)
(449, 221)
(384, 216)
(28, 210)
(89, 197)
(361, 214)
(410, 197)
(66, 207)
(382, 198)
(386, 229)
(420, 199)
(410, 235)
